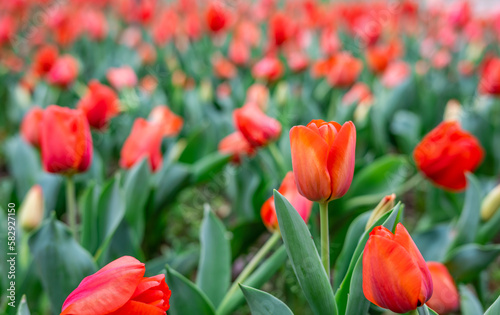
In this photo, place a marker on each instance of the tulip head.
(489, 83)
(323, 159)
(123, 77)
(217, 17)
(258, 128)
(395, 275)
(396, 73)
(446, 153)
(99, 104)
(44, 59)
(289, 190)
(344, 70)
(237, 146)
(445, 298)
(63, 72)
(32, 209)
(170, 123)
(65, 140)
(268, 68)
(30, 126)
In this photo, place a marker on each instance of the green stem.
(278, 157)
(71, 205)
(325, 242)
(249, 269)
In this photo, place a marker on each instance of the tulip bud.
(99, 104)
(445, 298)
(395, 275)
(384, 206)
(32, 209)
(344, 70)
(30, 126)
(491, 204)
(289, 190)
(268, 68)
(323, 159)
(452, 111)
(259, 94)
(258, 128)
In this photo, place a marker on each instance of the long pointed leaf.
(263, 303)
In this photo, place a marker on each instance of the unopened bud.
(491, 204)
(384, 206)
(32, 209)
(453, 111)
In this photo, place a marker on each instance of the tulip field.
(266, 157)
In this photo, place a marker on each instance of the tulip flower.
(269, 68)
(99, 104)
(446, 153)
(63, 72)
(385, 205)
(121, 78)
(223, 68)
(44, 59)
(358, 93)
(144, 141)
(32, 209)
(258, 128)
(344, 70)
(445, 298)
(395, 74)
(259, 94)
(65, 140)
(119, 288)
(30, 126)
(489, 83)
(378, 57)
(289, 190)
(323, 164)
(237, 146)
(395, 275)
(217, 17)
(239, 52)
(170, 123)
(281, 28)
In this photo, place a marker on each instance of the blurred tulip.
(65, 140)
(123, 77)
(94, 23)
(452, 111)
(385, 205)
(344, 71)
(99, 104)
(217, 17)
(258, 94)
(297, 61)
(239, 52)
(147, 53)
(329, 41)
(446, 153)
(44, 59)
(289, 190)
(489, 83)
(119, 288)
(144, 141)
(268, 68)
(445, 298)
(164, 27)
(358, 93)
(7, 29)
(459, 13)
(490, 204)
(258, 128)
(378, 57)
(32, 209)
(441, 59)
(236, 145)
(30, 126)
(323, 159)
(395, 275)
(131, 36)
(466, 68)
(395, 74)
(280, 28)
(63, 72)
(223, 68)
(170, 123)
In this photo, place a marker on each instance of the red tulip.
(490, 77)
(258, 94)
(30, 126)
(445, 298)
(94, 23)
(395, 74)
(323, 159)
(359, 92)
(223, 68)
(144, 141)
(123, 77)
(170, 123)
(239, 52)
(379, 57)
(99, 104)
(65, 140)
(345, 70)
(269, 68)
(446, 153)
(280, 28)
(395, 275)
(63, 72)
(297, 61)
(119, 288)
(289, 190)
(460, 13)
(8, 26)
(236, 145)
(258, 128)
(217, 17)
(44, 59)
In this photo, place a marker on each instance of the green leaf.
(467, 261)
(494, 309)
(171, 179)
(214, 275)
(23, 164)
(88, 209)
(304, 257)
(356, 301)
(468, 222)
(469, 304)
(60, 261)
(432, 242)
(263, 303)
(23, 307)
(186, 297)
(208, 166)
(425, 310)
(137, 188)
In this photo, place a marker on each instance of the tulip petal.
(341, 160)
(107, 290)
(138, 308)
(309, 159)
(391, 279)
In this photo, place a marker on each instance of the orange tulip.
(323, 159)
(144, 141)
(65, 140)
(289, 190)
(63, 72)
(99, 104)
(170, 123)
(236, 145)
(119, 288)
(395, 275)
(345, 70)
(258, 128)
(259, 94)
(395, 74)
(446, 153)
(30, 126)
(445, 298)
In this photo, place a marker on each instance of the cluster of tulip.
(341, 107)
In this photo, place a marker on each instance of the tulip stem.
(71, 205)
(278, 157)
(325, 242)
(249, 269)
